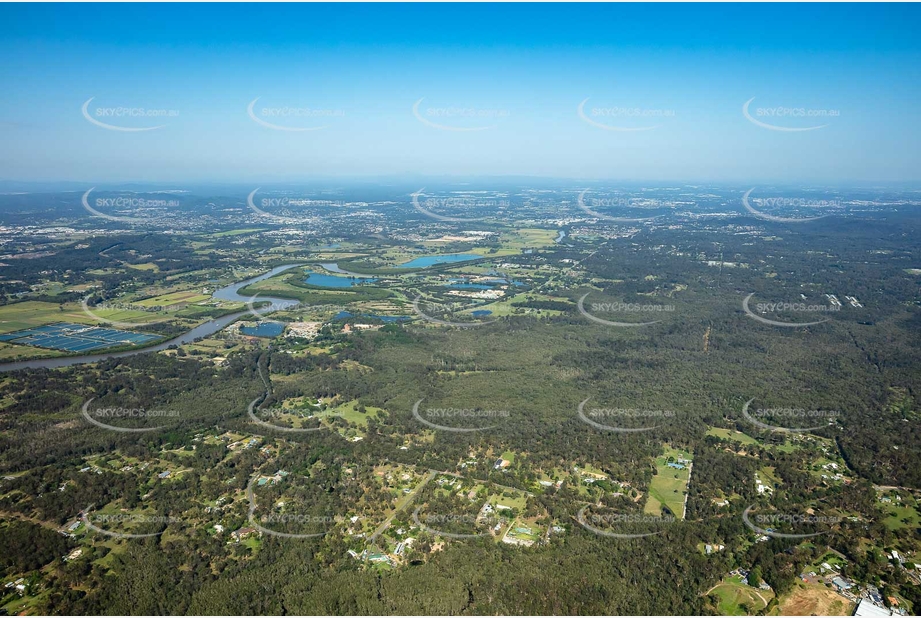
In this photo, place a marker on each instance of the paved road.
(407, 500)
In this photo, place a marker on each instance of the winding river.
(228, 293)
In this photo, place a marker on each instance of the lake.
(264, 329)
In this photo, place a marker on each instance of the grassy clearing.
(738, 599)
(12, 352)
(669, 485)
(349, 412)
(518, 500)
(173, 298)
(898, 517)
(730, 434)
(126, 315)
(18, 316)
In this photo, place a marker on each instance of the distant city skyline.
(814, 94)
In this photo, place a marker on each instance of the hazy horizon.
(662, 93)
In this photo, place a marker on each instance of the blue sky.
(677, 76)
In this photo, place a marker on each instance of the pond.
(264, 329)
